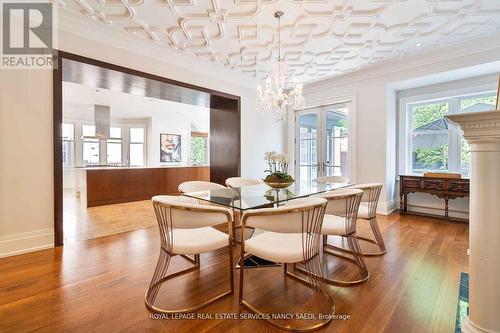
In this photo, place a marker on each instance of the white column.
(482, 131)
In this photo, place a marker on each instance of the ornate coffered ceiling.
(319, 37)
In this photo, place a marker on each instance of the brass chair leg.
(316, 284)
(378, 239)
(357, 260)
(159, 278)
(195, 259)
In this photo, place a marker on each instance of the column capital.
(479, 127)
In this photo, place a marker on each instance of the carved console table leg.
(446, 199)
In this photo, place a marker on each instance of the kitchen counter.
(110, 185)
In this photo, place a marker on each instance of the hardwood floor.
(82, 223)
(98, 285)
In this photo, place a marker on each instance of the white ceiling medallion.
(282, 92)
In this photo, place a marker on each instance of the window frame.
(405, 130)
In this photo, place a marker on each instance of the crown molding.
(475, 49)
(480, 128)
(71, 23)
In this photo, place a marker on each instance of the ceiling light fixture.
(282, 91)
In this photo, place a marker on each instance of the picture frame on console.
(170, 148)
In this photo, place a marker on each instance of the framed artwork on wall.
(170, 148)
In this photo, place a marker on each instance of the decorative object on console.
(278, 167)
(170, 148)
(282, 92)
(443, 175)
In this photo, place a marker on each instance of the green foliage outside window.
(430, 158)
(483, 99)
(198, 150)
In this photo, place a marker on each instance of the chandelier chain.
(282, 92)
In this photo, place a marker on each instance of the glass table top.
(259, 196)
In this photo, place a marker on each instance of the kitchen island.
(110, 185)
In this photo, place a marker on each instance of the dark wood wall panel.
(110, 186)
(224, 139)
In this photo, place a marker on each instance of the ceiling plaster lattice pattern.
(319, 38)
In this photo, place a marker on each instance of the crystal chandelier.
(282, 92)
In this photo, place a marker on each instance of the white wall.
(26, 170)
(26, 182)
(375, 90)
(176, 122)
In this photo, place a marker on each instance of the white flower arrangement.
(278, 162)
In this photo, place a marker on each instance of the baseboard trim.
(438, 211)
(11, 245)
(385, 208)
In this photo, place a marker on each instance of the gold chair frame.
(373, 194)
(164, 217)
(350, 214)
(312, 219)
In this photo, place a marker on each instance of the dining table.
(241, 199)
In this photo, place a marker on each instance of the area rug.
(463, 301)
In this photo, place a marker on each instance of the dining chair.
(333, 179)
(187, 228)
(198, 185)
(340, 220)
(240, 182)
(368, 212)
(288, 234)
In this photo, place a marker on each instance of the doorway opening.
(122, 136)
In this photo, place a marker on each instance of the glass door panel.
(336, 154)
(307, 144)
(322, 143)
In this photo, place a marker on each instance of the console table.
(442, 187)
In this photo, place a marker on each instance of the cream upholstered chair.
(236, 182)
(368, 211)
(186, 228)
(240, 182)
(288, 234)
(198, 185)
(340, 220)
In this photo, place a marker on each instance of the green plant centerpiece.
(277, 169)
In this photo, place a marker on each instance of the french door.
(322, 142)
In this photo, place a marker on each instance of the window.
(198, 148)
(435, 144)
(90, 151)
(114, 146)
(136, 152)
(68, 144)
(429, 137)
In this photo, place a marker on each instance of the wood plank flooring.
(82, 223)
(98, 285)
